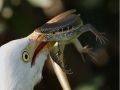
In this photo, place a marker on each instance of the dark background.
(102, 14)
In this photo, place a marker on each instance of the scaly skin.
(66, 28)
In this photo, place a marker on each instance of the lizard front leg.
(84, 49)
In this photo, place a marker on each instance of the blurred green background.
(19, 18)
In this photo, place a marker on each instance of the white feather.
(16, 74)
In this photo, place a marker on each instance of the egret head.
(21, 62)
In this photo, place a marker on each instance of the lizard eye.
(25, 56)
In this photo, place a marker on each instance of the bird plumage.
(15, 74)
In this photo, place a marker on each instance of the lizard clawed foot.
(80, 49)
(89, 52)
(63, 67)
(99, 36)
(67, 71)
(86, 49)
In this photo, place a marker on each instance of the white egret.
(21, 62)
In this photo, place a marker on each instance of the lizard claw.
(89, 52)
(99, 36)
(86, 49)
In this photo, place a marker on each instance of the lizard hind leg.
(58, 54)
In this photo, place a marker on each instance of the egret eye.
(25, 56)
